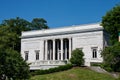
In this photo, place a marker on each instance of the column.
(61, 49)
(50, 50)
(57, 50)
(70, 48)
(51, 55)
(65, 49)
(54, 49)
(46, 49)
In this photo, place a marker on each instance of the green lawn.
(74, 74)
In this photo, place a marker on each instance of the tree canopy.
(111, 23)
(39, 23)
(12, 64)
(17, 25)
(111, 56)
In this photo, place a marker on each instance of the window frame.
(37, 54)
(26, 55)
(94, 52)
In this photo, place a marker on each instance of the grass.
(74, 74)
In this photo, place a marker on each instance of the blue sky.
(58, 13)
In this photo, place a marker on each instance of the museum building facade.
(49, 48)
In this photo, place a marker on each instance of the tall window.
(37, 54)
(26, 55)
(94, 52)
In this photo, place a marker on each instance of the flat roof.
(69, 29)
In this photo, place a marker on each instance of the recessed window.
(94, 52)
(26, 55)
(37, 54)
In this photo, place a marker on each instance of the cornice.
(63, 33)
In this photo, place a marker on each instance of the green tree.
(17, 25)
(11, 63)
(77, 57)
(111, 56)
(39, 23)
(111, 23)
(7, 38)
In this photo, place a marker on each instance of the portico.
(57, 49)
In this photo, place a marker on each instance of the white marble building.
(52, 47)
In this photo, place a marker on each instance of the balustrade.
(50, 62)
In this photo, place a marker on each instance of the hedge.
(52, 70)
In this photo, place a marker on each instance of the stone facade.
(52, 47)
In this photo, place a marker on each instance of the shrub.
(96, 64)
(77, 57)
(111, 56)
(52, 70)
(107, 67)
